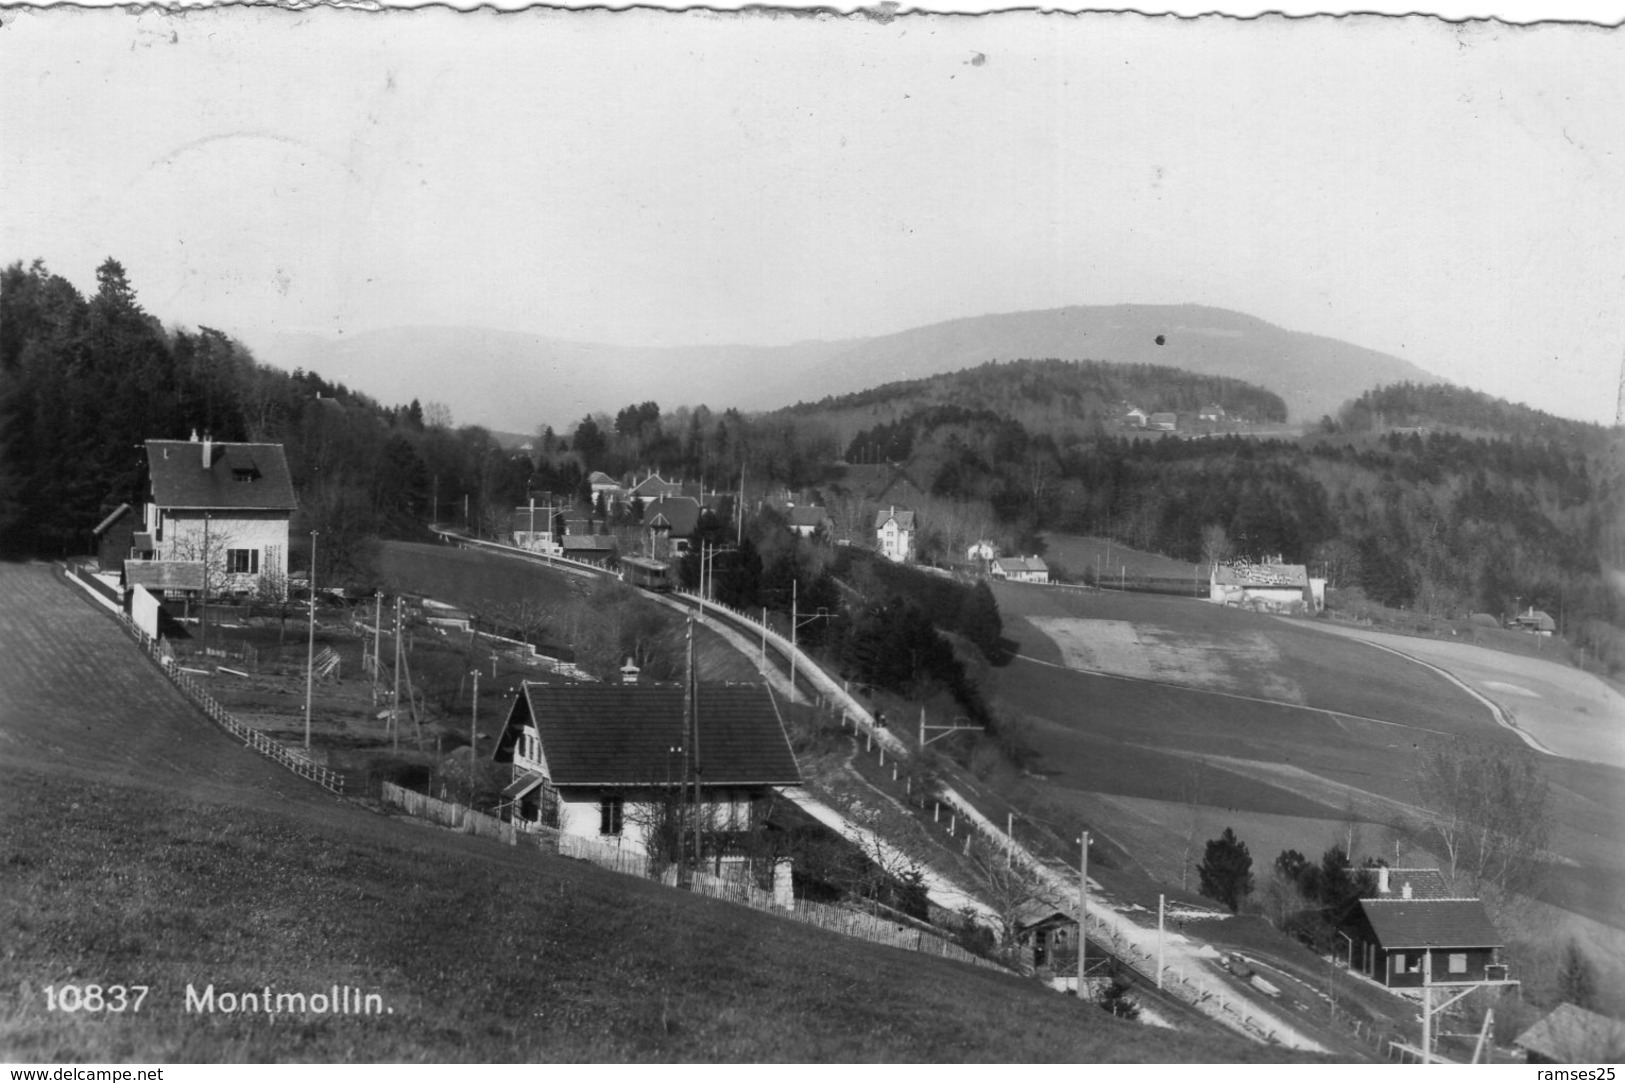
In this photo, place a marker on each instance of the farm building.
(1212, 413)
(603, 761)
(209, 503)
(1136, 418)
(591, 548)
(1411, 921)
(1163, 422)
(1020, 569)
(894, 533)
(603, 485)
(806, 520)
(1535, 622)
(671, 523)
(532, 525)
(1047, 937)
(1572, 1035)
(1270, 585)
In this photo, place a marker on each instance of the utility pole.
(395, 704)
(310, 648)
(1083, 914)
(377, 643)
(473, 734)
(1162, 905)
(684, 875)
(694, 735)
(794, 584)
(203, 611)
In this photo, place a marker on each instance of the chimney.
(629, 673)
(1382, 880)
(1405, 890)
(194, 436)
(208, 451)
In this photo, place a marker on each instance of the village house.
(590, 548)
(602, 485)
(1134, 417)
(655, 487)
(1269, 585)
(1020, 569)
(894, 533)
(1046, 937)
(1573, 1035)
(603, 761)
(806, 520)
(1213, 414)
(533, 527)
(1414, 923)
(1535, 622)
(671, 523)
(224, 506)
(1163, 422)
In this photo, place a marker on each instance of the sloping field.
(1169, 700)
(1567, 711)
(144, 847)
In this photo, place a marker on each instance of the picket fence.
(292, 759)
(853, 923)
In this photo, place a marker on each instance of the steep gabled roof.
(1572, 1035)
(1423, 884)
(904, 517)
(806, 515)
(677, 514)
(1020, 565)
(1431, 923)
(239, 477)
(623, 735)
(1260, 575)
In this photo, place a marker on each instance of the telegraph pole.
(395, 704)
(473, 734)
(310, 648)
(1083, 914)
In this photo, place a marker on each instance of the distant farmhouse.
(894, 533)
(806, 520)
(1213, 414)
(1020, 569)
(1270, 585)
(1163, 422)
(1535, 622)
(1134, 417)
(1414, 923)
(206, 501)
(601, 761)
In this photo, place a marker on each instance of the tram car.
(655, 575)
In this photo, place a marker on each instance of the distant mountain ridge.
(518, 381)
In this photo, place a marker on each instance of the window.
(611, 813)
(243, 561)
(1458, 962)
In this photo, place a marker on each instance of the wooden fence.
(293, 759)
(742, 892)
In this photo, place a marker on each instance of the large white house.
(1269, 585)
(894, 533)
(215, 503)
(600, 761)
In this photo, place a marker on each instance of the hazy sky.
(1451, 193)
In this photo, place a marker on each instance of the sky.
(1453, 193)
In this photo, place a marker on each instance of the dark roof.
(622, 734)
(1573, 1035)
(807, 515)
(1019, 565)
(241, 477)
(1431, 923)
(1261, 575)
(602, 543)
(677, 514)
(1424, 884)
(904, 517)
(164, 574)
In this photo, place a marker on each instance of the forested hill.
(1064, 399)
(1426, 406)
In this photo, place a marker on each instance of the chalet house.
(894, 533)
(1163, 422)
(1046, 937)
(601, 760)
(672, 523)
(983, 551)
(223, 503)
(805, 520)
(1413, 923)
(1021, 569)
(1213, 413)
(1536, 622)
(590, 548)
(654, 487)
(1572, 1035)
(1270, 585)
(1135, 417)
